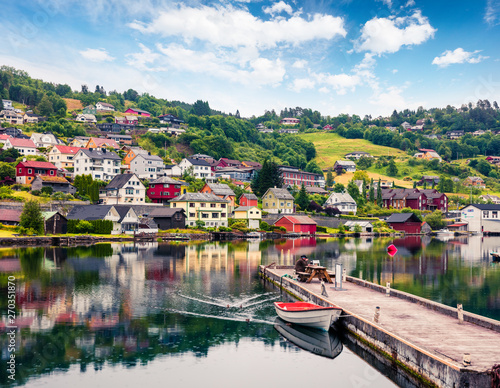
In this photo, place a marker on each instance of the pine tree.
(372, 192)
(329, 178)
(379, 194)
(31, 217)
(302, 198)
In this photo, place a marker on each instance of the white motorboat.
(308, 314)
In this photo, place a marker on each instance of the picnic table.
(314, 271)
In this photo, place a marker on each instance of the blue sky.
(343, 56)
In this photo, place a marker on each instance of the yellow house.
(205, 207)
(62, 156)
(79, 141)
(277, 201)
(250, 213)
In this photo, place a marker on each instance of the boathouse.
(405, 222)
(297, 224)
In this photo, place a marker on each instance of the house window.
(192, 215)
(485, 214)
(213, 205)
(494, 214)
(178, 216)
(202, 204)
(51, 172)
(223, 215)
(215, 215)
(152, 186)
(20, 170)
(30, 171)
(191, 204)
(174, 205)
(204, 215)
(223, 205)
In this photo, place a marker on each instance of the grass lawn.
(25, 196)
(7, 233)
(331, 147)
(73, 104)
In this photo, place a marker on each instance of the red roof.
(11, 215)
(109, 142)
(22, 142)
(67, 149)
(426, 150)
(5, 137)
(34, 164)
(299, 220)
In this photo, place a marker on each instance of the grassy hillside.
(331, 147)
(73, 104)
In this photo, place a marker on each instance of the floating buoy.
(392, 250)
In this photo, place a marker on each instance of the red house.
(225, 162)
(28, 170)
(139, 112)
(164, 189)
(297, 224)
(248, 199)
(405, 222)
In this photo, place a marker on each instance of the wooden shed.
(55, 223)
(405, 222)
(297, 224)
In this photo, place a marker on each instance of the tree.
(6, 170)
(392, 170)
(201, 108)
(353, 191)
(313, 167)
(361, 176)
(268, 177)
(31, 217)
(329, 178)
(45, 106)
(339, 188)
(371, 192)
(302, 198)
(364, 163)
(435, 220)
(379, 194)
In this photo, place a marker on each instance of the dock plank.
(432, 331)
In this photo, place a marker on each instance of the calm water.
(197, 315)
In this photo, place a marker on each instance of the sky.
(341, 56)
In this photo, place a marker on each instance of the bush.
(47, 190)
(224, 229)
(321, 229)
(36, 192)
(84, 227)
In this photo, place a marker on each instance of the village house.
(357, 155)
(346, 165)
(136, 111)
(131, 154)
(168, 218)
(493, 159)
(205, 207)
(233, 173)
(63, 156)
(456, 134)
(474, 181)
(105, 212)
(24, 146)
(173, 170)
(248, 199)
(419, 199)
(170, 119)
(365, 226)
(86, 118)
(343, 202)
(79, 141)
(225, 162)
(147, 166)
(163, 189)
(290, 121)
(293, 176)
(127, 120)
(57, 183)
(3, 138)
(490, 198)
(97, 142)
(289, 130)
(10, 216)
(120, 139)
(44, 139)
(11, 117)
(101, 164)
(406, 125)
(251, 214)
(255, 165)
(222, 191)
(27, 170)
(104, 106)
(198, 168)
(123, 189)
(32, 118)
(405, 222)
(427, 154)
(7, 104)
(428, 180)
(89, 109)
(297, 224)
(277, 201)
(481, 218)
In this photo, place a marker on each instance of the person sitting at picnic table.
(301, 264)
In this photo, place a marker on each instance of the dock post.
(387, 289)
(344, 275)
(460, 313)
(376, 316)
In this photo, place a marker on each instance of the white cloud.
(491, 15)
(96, 55)
(391, 98)
(458, 55)
(141, 60)
(386, 2)
(388, 35)
(410, 3)
(299, 64)
(394, 71)
(278, 8)
(233, 27)
(303, 83)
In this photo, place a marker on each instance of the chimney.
(24, 159)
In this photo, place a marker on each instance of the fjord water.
(197, 315)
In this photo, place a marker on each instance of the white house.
(147, 166)
(86, 118)
(104, 106)
(24, 146)
(7, 104)
(347, 165)
(199, 168)
(342, 201)
(11, 116)
(173, 170)
(123, 189)
(44, 139)
(481, 217)
(101, 164)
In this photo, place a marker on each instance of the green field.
(331, 147)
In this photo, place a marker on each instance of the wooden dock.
(423, 337)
